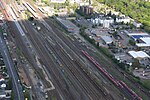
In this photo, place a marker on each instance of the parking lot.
(145, 74)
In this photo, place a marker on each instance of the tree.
(31, 18)
(12, 95)
(45, 1)
(74, 6)
(130, 8)
(94, 26)
(97, 44)
(131, 42)
(136, 63)
(147, 28)
(115, 33)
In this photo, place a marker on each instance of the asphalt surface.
(17, 88)
(22, 40)
(18, 92)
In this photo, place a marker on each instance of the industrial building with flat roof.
(145, 42)
(123, 19)
(69, 26)
(138, 54)
(142, 37)
(107, 39)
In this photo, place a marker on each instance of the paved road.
(17, 88)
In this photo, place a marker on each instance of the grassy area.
(9, 84)
(19, 2)
(146, 83)
(12, 96)
(19, 53)
(1, 30)
(54, 98)
(26, 94)
(45, 1)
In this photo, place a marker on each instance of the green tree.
(12, 95)
(131, 42)
(138, 10)
(136, 63)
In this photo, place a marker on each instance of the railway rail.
(77, 74)
(118, 83)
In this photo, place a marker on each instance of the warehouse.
(69, 26)
(107, 39)
(131, 33)
(138, 54)
(145, 42)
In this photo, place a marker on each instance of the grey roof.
(66, 23)
(107, 39)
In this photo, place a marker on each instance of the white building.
(138, 54)
(146, 42)
(136, 24)
(123, 19)
(58, 1)
(75, 1)
(115, 13)
(110, 20)
(106, 23)
(102, 21)
(84, 3)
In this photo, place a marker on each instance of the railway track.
(101, 89)
(77, 74)
(62, 58)
(140, 89)
(70, 74)
(72, 45)
(123, 74)
(46, 60)
(54, 51)
(22, 46)
(75, 69)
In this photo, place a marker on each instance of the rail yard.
(64, 67)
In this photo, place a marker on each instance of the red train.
(134, 95)
(119, 84)
(99, 67)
